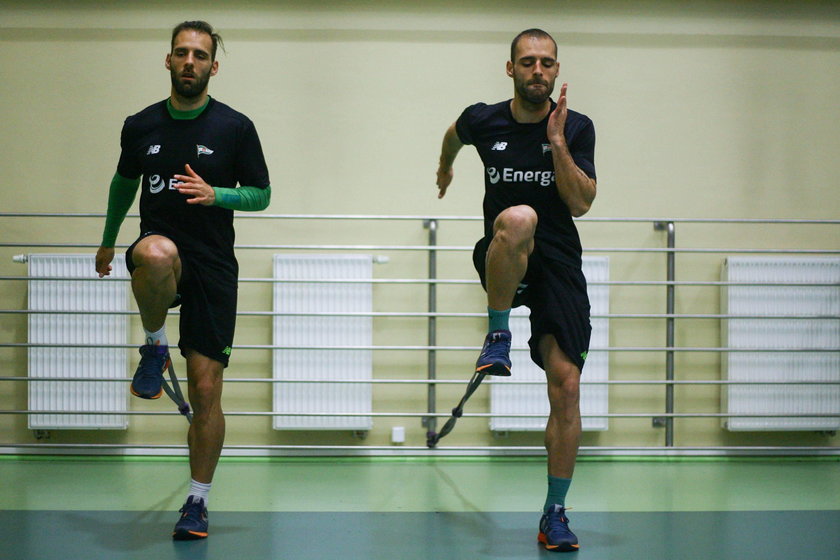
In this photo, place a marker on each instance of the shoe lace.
(557, 521)
(498, 339)
(151, 361)
(193, 509)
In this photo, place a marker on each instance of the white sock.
(157, 338)
(199, 490)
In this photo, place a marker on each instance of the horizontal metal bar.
(466, 281)
(440, 450)
(524, 349)
(426, 314)
(396, 281)
(375, 381)
(729, 221)
(443, 281)
(725, 251)
(445, 348)
(366, 217)
(94, 278)
(427, 248)
(94, 246)
(427, 414)
(260, 216)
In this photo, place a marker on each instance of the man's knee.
(520, 221)
(564, 399)
(562, 375)
(155, 251)
(205, 379)
(205, 398)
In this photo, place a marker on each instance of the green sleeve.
(250, 199)
(120, 197)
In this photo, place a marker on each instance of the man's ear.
(509, 68)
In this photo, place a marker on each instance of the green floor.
(420, 508)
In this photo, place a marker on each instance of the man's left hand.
(194, 187)
(557, 119)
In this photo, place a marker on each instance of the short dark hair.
(202, 27)
(534, 32)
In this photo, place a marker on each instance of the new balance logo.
(153, 149)
(203, 150)
(499, 146)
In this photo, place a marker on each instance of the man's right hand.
(104, 256)
(444, 178)
(448, 150)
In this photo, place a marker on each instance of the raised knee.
(517, 219)
(157, 252)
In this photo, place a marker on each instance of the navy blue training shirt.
(222, 147)
(519, 170)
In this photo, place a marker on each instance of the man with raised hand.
(538, 157)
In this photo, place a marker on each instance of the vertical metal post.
(430, 422)
(668, 421)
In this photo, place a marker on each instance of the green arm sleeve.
(120, 198)
(249, 199)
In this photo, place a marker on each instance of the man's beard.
(189, 90)
(535, 97)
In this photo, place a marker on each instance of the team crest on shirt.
(203, 150)
(546, 148)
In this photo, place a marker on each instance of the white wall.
(702, 109)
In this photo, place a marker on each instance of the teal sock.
(498, 320)
(557, 488)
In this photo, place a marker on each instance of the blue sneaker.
(148, 379)
(554, 531)
(193, 522)
(495, 354)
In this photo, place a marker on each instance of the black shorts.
(556, 295)
(207, 298)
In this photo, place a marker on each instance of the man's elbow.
(264, 200)
(580, 209)
(583, 203)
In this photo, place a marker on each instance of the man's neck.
(525, 112)
(187, 103)
(185, 115)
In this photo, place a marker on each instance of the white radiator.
(107, 294)
(294, 364)
(781, 400)
(508, 398)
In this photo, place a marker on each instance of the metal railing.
(671, 317)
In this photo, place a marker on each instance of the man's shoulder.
(486, 117)
(220, 110)
(578, 118)
(152, 114)
(483, 110)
